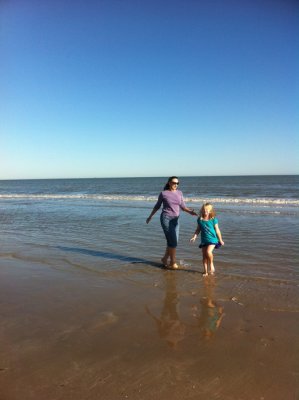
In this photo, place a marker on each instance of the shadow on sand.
(112, 256)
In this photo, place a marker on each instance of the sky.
(127, 88)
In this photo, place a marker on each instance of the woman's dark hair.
(167, 186)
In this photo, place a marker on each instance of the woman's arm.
(186, 209)
(156, 208)
(219, 234)
(152, 214)
(189, 211)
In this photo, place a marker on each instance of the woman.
(172, 200)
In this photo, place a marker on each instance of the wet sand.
(145, 333)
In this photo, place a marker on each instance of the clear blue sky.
(148, 88)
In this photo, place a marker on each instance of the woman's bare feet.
(173, 266)
(164, 262)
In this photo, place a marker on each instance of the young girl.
(210, 236)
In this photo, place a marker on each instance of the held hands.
(194, 213)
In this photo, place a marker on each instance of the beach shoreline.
(68, 334)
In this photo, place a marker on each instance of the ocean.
(97, 226)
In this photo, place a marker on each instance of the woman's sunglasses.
(175, 183)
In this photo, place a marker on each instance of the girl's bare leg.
(172, 254)
(205, 261)
(210, 258)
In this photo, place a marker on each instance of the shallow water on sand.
(104, 237)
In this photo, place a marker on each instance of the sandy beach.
(170, 335)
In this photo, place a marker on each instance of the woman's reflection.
(169, 324)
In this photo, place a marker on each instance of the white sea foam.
(136, 198)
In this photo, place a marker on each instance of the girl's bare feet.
(204, 274)
(212, 269)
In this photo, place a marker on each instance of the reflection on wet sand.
(207, 313)
(211, 314)
(169, 325)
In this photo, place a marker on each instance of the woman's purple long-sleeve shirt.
(172, 202)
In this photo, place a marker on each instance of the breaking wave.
(142, 198)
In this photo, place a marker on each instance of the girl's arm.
(219, 234)
(196, 233)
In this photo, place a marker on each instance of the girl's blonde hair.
(210, 208)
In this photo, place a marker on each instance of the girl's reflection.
(169, 324)
(211, 313)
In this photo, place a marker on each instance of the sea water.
(98, 225)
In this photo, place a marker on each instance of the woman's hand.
(151, 215)
(192, 212)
